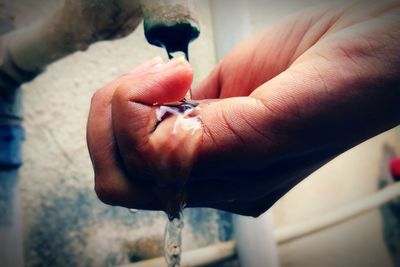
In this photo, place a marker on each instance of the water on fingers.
(180, 143)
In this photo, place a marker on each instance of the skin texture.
(285, 102)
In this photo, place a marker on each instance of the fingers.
(100, 139)
(252, 208)
(133, 114)
(112, 185)
(256, 60)
(210, 87)
(324, 105)
(264, 56)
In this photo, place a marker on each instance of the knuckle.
(116, 87)
(105, 193)
(97, 96)
(121, 93)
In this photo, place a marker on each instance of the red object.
(395, 168)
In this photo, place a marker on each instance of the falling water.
(173, 241)
(175, 39)
(188, 121)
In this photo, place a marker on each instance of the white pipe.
(289, 233)
(198, 257)
(256, 245)
(229, 29)
(11, 251)
(219, 252)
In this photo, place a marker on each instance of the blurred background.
(62, 223)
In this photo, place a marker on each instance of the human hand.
(288, 101)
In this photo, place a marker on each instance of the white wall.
(64, 223)
(56, 159)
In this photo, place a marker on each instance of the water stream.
(188, 121)
(175, 39)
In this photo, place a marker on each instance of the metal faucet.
(170, 24)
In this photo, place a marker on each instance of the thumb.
(234, 128)
(160, 83)
(133, 104)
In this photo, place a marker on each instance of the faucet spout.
(170, 24)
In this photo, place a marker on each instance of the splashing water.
(175, 39)
(187, 120)
(173, 241)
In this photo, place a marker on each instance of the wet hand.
(294, 97)
(136, 157)
(284, 103)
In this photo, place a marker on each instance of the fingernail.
(176, 62)
(158, 64)
(157, 60)
(146, 66)
(179, 61)
(173, 63)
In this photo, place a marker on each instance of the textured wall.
(64, 222)
(348, 178)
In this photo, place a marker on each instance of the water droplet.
(133, 211)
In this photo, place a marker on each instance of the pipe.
(198, 257)
(6, 19)
(292, 232)
(256, 246)
(170, 24)
(219, 252)
(11, 251)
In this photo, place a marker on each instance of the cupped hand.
(284, 103)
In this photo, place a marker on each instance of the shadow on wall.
(74, 229)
